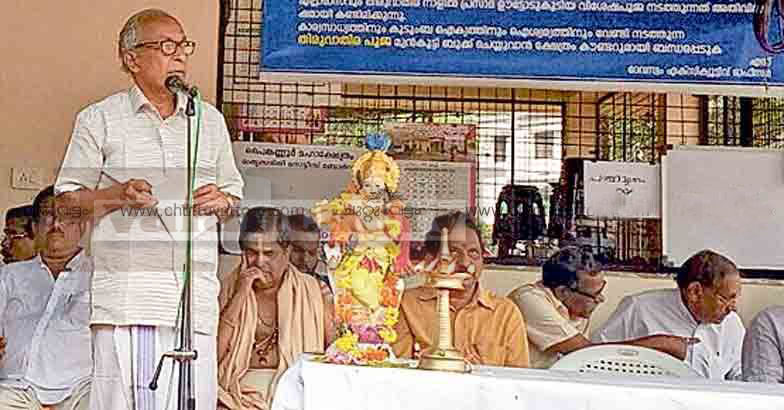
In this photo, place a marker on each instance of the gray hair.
(263, 219)
(131, 31)
(706, 267)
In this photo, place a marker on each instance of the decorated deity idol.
(369, 240)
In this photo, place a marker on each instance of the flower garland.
(368, 286)
(365, 277)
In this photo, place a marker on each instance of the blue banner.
(674, 41)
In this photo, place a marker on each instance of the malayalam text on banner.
(681, 41)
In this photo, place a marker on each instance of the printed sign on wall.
(622, 190)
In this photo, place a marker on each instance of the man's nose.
(462, 259)
(179, 55)
(252, 260)
(461, 265)
(58, 224)
(262, 261)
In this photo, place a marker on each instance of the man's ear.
(39, 238)
(129, 58)
(694, 291)
(560, 292)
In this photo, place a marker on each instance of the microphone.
(175, 83)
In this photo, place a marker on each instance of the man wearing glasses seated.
(45, 353)
(702, 307)
(557, 309)
(18, 244)
(306, 253)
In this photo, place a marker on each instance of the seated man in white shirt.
(45, 306)
(703, 307)
(558, 308)
(763, 347)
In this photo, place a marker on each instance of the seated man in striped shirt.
(763, 347)
(45, 352)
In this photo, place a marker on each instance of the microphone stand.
(185, 354)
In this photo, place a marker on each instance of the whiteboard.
(730, 200)
(622, 189)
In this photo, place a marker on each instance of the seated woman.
(270, 314)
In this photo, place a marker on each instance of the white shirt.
(139, 260)
(763, 348)
(716, 356)
(46, 326)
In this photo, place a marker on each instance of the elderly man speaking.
(130, 151)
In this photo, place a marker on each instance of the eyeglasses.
(725, 301)
(169, 47)
(596, 298)
(301, 249)
(472, 254)
(48, 218)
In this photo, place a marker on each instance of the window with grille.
(500, 148)
(753, 122)
(543, 144)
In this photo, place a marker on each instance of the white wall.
(60, 56)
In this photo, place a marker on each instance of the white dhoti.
(125, 358)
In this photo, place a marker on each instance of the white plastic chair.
(624, 360)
